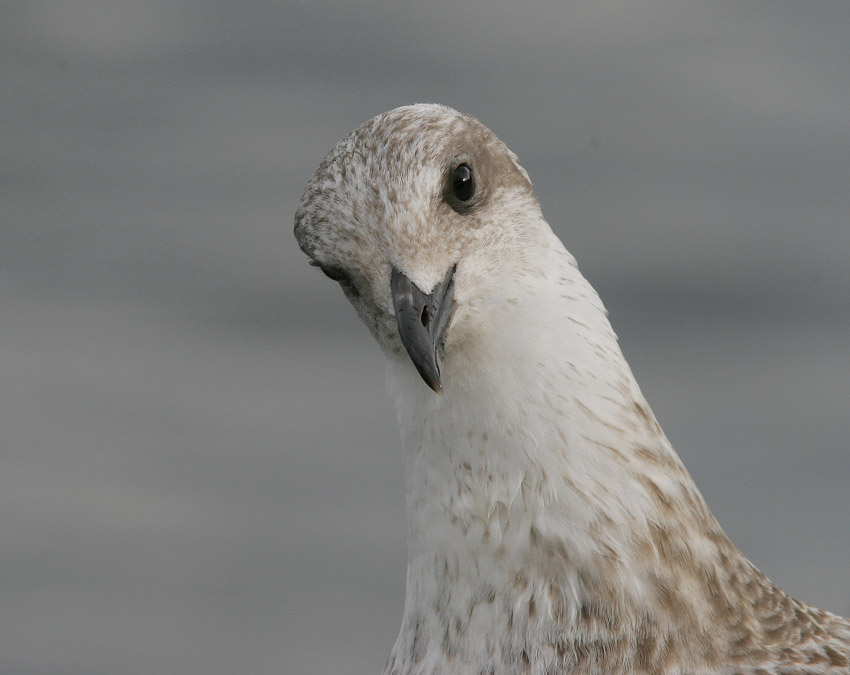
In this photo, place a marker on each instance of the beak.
(423, 321)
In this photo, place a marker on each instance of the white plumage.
(552, 528)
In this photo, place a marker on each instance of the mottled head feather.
(379, 199)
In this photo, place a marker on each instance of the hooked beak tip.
(423, 322)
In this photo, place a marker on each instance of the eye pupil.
(463, 184)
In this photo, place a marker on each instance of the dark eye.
(463, 183)
(331, 272)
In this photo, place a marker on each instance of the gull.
(552, 528)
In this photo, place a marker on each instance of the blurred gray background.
(199, 467)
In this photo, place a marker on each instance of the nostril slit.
(424, 317)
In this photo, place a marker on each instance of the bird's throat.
(508, 536)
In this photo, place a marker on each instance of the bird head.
(407, 214)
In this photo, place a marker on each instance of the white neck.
(569, 530)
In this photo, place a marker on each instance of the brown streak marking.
(596, 418)
(610, 448)
(836, 659)
(659, 496)
(659, 459)
(448, 649)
